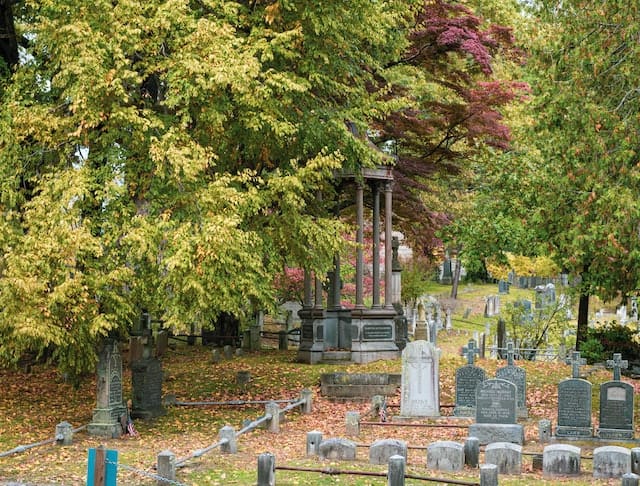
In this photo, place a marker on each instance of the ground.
(31, 404)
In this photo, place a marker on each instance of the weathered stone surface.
(560, 460)
(337, 448)
(505, 455)
(611, 462)
(574, 408)
(349, 386)
(496, 402)
(467, 379)
(420, 395)
(445, 456)
(381, 450)
(488, 433)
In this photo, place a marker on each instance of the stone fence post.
(266, 469)
(166, 466)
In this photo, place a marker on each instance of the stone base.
(615, 434)
(109, 431)
(336, 356)
(147, 414)
(566, 432)
(362, 356)
(488, 433)
(410, 418)
(309, 356)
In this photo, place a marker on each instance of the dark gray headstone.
(616, 410)
(496, 402)
(574, 408)
(467, 379)
(517, 376)
(146, 379)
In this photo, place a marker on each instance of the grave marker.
(420, 380)
(517, 376)
(467, 379)
(574, 403)
(616, 404)
(496, 413)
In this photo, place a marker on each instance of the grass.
(32, 404)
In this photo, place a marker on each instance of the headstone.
(215, 356)
(574, 404)
(448, 319)
(517, 376)
(109, 409)
(503, 287)
(420, 380)
(611, 462)
(496, 413)
(338, 449)
(560, 460)
(162, 343)
(146, 380)
(488, 475)
(352, 423)
(381, 450)
(136, 346)
(228, 351)
(616, 404)
(467, 379)
(630, 479)
(505, 455)
(445, 455)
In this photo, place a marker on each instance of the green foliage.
(536, 327)
(612, 337)
(416, 276)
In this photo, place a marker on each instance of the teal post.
(102, 467)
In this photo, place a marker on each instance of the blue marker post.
(102, 467)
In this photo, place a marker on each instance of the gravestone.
(109, 409)
(616, 404)
(517, 376)
(503, 287)
(421, 332)
(574, 403)
(420, 395)
(381, 450)
(505, 455)
(560, 460)
(338, 449)
(496, 413)
(445, 455)
(146, 380)
(467, 379)
(611, 462)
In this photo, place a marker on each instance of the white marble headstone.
(420, 395)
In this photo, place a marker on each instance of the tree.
(586, 132)
(167, 156)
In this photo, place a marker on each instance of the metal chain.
(145, 473)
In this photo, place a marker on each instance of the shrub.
(614, 338)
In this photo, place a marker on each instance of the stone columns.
(388, 246)
(375, 189)
(360, 242)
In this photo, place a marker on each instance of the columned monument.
(361, 334)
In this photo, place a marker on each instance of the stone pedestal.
(311, 336)
(109, 409)
(373, 335)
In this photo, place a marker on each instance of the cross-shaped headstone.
(617, 363)
(510, 353)
(470, 351)
(576, 361)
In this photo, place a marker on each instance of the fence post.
(266, 469)
(230, 446)
(102, 467)
(472, 451)
(273, 409)
(64, 433)
(395, 474)
(488, 475)
(283, 340)
(166, 466)
(306, 395)
(630, 479)
(313, 442)
(352, 423)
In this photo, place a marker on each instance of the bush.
(593, 351)
(613, 338)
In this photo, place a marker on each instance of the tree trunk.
(456, 280)
(583, 320)
(8, 41)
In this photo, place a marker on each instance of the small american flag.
(383, 411)
(131, 430)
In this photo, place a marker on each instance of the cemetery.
(446, 410)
